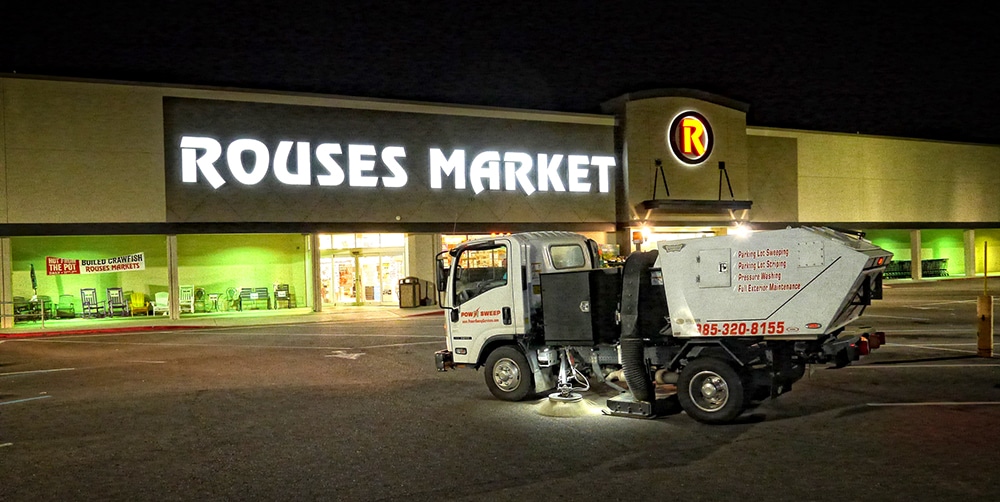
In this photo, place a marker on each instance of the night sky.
(887, 68)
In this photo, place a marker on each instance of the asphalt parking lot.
(354, 410)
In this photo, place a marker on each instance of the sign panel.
(239, 161)
(64, 266)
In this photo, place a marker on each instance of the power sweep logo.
(690, 137)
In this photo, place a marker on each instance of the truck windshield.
(478, 271)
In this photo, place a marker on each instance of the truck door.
(481, 298)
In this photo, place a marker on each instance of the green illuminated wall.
(992, 238)
(934, 244)
(950, 244)
(896, 242)
(28, 251)
(220, 262)
(213, 262)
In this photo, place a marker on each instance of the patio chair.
(161, 303)
(263, 295)
(42, 304)
(199, 300)
(66, 308)
(187, 299)
(116, 302)
(137, 304)
(21, 304)
(232, 299)
(281, 295)
(90, 306)
(247, 298)
(22, 309)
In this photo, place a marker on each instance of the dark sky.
(915, 69)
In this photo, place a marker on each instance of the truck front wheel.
(508, 375)
(711, 391)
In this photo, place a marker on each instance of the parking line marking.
(907, 318)
(6, 444)
(925, 347)
(35, 371)
(235, 345)
(24, 400)
(440, 342)
(900, 366)
(940, 403)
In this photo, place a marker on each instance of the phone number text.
(742, 328)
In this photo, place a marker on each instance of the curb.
(92, 331)
(168, 327)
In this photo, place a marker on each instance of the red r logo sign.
(690, 137)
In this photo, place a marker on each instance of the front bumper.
(443, 360)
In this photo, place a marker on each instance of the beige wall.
(645, 137)
(3, 157)
(854, 178)
(79, 153)
(773, 178)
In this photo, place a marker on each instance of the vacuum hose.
(632, 347)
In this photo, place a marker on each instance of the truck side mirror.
(441, 277)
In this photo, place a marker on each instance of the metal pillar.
(6, 285)
(969, 236)
(317, 281)
(915, 270)
(173, 284)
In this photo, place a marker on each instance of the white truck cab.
(495, 291)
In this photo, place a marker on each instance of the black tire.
(711, 391)
(508, 375)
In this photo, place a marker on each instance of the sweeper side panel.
(796, 283)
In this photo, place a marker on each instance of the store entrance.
(361, 277)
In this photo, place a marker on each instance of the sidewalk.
(26, 329)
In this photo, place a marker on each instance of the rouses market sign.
(326, 164)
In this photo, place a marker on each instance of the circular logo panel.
(690, 137)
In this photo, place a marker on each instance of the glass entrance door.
(361, 278)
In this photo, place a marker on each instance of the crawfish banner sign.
(126, 263)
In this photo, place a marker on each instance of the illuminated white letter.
(389, 155)
(604, 165)
(357, 166)
(576, 174)
(485, 165)
(234, 156)
(303, 174)
(455, 164)
(549, 171)
(325, 153)
(516, 166)
(191, 163)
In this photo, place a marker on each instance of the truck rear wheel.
(711, 391)
(508, 375)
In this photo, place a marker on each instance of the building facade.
(162, 190)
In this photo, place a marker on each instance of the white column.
(915, 271)
(6, 285)
(970, 253)
(317, 282)
(173, 285)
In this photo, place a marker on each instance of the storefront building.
(194, 195)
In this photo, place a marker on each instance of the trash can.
(409, 292)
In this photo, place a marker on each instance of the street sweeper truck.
(728, 320)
